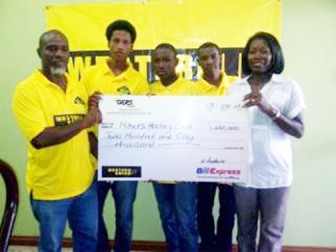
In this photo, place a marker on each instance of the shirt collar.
(175, 83)
(207, 86)
(276, 78)
(43, 80)
(126, 74)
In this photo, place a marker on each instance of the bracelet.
(276, 116)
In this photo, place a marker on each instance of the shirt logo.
(63, 120)
(79, 100)
(124, 90)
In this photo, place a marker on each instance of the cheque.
(180, 138)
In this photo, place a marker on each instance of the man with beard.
(51, 110)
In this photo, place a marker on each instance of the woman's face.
(259, 57)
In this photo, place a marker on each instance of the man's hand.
(92, 117)
(94, 100)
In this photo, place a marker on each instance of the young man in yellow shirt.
(51, 110)
(116, 76)
(214, 82)
(176, 201)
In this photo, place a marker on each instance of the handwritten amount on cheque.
(151, 134)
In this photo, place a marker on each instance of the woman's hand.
(255, 98)
(293, 127)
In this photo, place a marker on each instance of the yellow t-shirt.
(101, 78)
(63, 170)
(212, 90)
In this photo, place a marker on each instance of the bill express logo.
(125, 102)
(216, 171)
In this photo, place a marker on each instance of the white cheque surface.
(181, 138)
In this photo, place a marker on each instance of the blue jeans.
(124, 193)
(80, 212)
(177, 205)
(270, 206)
(211, 240)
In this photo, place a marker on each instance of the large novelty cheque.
(180, 138)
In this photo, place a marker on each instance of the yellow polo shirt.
(101, 78)
(63, 170)
(209, 89)
(180, 87)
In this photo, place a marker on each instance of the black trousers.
(221, 238)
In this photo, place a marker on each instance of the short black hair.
(42, 37)
(277, 64)
(121, 25)
(207, 45)
(166, 46)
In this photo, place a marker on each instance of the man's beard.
(57, 71)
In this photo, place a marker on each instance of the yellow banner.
(184, 23)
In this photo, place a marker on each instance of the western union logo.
(121, 171)
(63, 120)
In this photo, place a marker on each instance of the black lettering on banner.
(230, 55)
